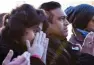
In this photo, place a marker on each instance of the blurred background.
(8, 5)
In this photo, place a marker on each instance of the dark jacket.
(7, 43)
(57, 53)
(60, 53)
(36, 61)
(85, 59)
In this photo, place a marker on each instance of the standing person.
(57, 33)
(82, 19)
(23, 24)
(60, 51)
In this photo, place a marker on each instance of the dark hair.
(81, 16)
(50, 5)
(44, 18)
(20, 18)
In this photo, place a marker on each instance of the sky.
(8, 5)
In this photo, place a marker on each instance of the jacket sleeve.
(85, 59)
(3, 53)
(36, 61)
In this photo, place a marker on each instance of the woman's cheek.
(32, 35)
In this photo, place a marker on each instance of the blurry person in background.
(82, 19)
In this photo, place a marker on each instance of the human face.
(31, 32)
(90, 26)
(59, 23)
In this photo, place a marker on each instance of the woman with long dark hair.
(23, 23)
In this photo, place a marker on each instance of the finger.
(91, 43)
(18, 61)
(40, 37)
(25, 63)
(88, 39)
(43, 39)
(91, 35)
(8, 57)
(36, 38)
(28, 44)
(26, 55)
(93, 40)
(47, 42)
(14, 59)
(45, 51)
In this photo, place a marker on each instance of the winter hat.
(81, 15)
(69, 10)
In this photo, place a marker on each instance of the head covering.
(69, 10)
(81, 15)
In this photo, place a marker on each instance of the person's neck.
(50, 33)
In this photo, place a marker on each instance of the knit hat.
(81, 15)
(69, 10)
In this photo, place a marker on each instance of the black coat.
(6, 44)
(60, 53)
(57, 53)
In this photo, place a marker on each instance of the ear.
(47, 14)
(44, 12)
(50, 25)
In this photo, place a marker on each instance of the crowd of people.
(30, 36)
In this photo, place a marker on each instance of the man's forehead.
(58, 12)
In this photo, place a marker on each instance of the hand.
(45, 50)
(27, 56)
(88, 44)
(20, 60)
(38, 45)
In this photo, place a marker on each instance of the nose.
(66, 22)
